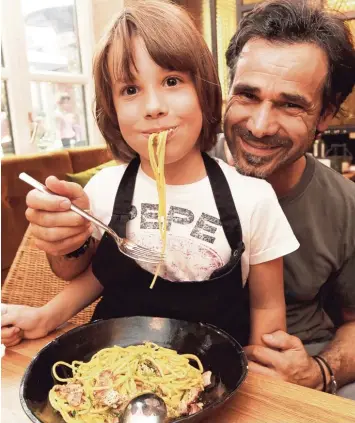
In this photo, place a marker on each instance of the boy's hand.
(58, 230)
(20, 321)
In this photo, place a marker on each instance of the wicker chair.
(30, 280)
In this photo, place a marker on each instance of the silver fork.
(126, 246)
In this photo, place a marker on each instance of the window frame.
(18, 77)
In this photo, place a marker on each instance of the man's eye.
(292, 106)
(248, 96)
(172, 81)
(130, 90)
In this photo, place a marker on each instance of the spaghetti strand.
(157, 162)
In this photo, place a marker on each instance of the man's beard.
(252, 165)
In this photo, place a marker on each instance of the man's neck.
(285, 179)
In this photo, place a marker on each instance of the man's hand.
(284, 357)
(58, 230)
(20, 321)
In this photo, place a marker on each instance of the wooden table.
(259, 400)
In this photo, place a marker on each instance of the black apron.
(221, 300)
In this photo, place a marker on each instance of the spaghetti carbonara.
(100, 389)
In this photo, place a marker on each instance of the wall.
(103, 13)
(194, 7)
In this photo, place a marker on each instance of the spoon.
(145, 408)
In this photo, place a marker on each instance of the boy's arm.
(21, 321)
(70, 268)
(267, 300)
(80, 292)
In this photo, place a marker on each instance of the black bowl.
(218, 352)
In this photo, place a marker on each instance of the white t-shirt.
(196, 243)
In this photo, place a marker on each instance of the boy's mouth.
(171, 131)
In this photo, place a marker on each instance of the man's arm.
(285, 357)
(340, 352)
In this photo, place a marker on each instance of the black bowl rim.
(215, 404)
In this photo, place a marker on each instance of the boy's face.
(274, 105)
(158, 99)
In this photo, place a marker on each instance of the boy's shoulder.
(111, 173)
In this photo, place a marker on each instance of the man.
(291, 67)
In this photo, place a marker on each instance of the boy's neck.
(185, 171)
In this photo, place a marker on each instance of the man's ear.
(326, 118)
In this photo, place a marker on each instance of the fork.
(127, 247)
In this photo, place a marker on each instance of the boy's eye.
(172, 81)
(131, 90)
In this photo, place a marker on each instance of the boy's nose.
(155, 105)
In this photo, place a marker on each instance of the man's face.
(274, 106)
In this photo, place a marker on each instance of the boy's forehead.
(116, 67)
(122, 59)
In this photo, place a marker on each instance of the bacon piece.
(194, 408)
(207, 378)
(189, 398)
(72, 392)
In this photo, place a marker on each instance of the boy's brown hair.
(173, 42)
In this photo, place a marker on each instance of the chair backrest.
(31, 281)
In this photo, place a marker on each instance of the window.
(47, 86)
(226, 17)
(346, 118)
(51, 34)
(7, 146)
(251, 1)
(340, 5)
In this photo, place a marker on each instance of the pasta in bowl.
(194, 367)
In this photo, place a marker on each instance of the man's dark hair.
(291, 22)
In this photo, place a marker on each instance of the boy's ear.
(326, 118)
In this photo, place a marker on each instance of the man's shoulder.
(330, 184)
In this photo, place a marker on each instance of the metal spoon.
(145, 408)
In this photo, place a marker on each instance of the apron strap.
(225, 204)
(124, 196)
(221, 191)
